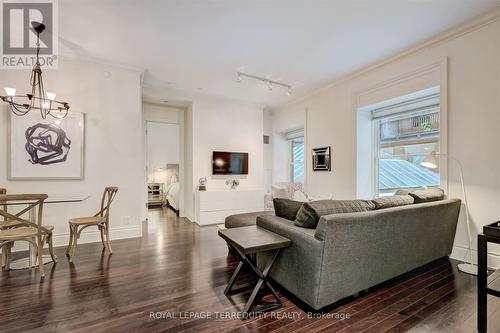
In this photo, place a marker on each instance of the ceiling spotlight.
(271, 84)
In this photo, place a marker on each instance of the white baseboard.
(459, 253)
(89, 236)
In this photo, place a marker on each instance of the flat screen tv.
(229, 163)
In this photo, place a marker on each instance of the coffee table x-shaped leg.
(262, 280)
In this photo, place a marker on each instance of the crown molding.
(445, 37)
(158, 91)
(97, 61)
(150, 102)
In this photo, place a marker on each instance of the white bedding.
(173, 195)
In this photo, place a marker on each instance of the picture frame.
(46, 149)
(321, 158)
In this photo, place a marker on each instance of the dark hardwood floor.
(180, 270)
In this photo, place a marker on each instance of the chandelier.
(38, 99)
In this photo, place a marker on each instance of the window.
(405, 135)
(295, 140)
(297, 160)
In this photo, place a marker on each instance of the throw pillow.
(280, 192)
(322, 196)
(428, 195)
(286, 208)
(392, 201)
(309, 214)
(300, 196)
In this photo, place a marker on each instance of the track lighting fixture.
(270, 83)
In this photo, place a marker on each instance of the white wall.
(189, 165)
(222, 125)
(162, 113)
(111, 99)
(294, 118)
(473, 79)
(267, 175)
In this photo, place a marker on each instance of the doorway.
(163, 160)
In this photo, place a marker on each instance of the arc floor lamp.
(431, 162)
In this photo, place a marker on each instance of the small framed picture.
(322, 160)
(46, 148)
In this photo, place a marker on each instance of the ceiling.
(196, 47)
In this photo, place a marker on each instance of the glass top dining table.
(52, 199)
(30, 260)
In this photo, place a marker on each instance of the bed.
(173, 197)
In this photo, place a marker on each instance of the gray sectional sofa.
(350, 252)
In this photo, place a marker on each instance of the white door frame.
(182, 179)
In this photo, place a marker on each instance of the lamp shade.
(11, 92)
(51, 96)
(430, 162)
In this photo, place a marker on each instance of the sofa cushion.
(286, 208)
(393, 201)
(428, 195)
(309, 214)
(244, 220)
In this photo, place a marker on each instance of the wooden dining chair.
(15, 228)
(3, 191)
(99, 220)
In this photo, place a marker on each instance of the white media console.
(212, 207)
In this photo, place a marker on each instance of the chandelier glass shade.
(37, 98)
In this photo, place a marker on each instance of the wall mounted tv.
(229, 163)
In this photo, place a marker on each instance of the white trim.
(293, 162)
(306, 151)
(182, 151)
(459, 253)
(90, 236)
(376, 162)
(443, 126)
(442, 67)
(164, 105)
(98, 61)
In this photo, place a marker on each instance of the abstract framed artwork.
(46, 148)
(322, 159)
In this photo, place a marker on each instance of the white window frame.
(290, 136)
(293, 162)
(428, 102)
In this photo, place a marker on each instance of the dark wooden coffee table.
(247, 241)
(486, 285)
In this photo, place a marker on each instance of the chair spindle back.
(32, 201)
(107, 198)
